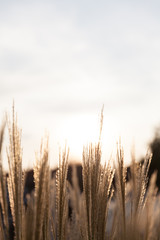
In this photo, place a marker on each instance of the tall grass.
(4, 220)
(15, 179)
(105, 210)
(61, 197)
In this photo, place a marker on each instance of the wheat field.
(108, 208)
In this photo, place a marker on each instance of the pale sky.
(62, 60)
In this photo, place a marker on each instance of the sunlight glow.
(78, 131)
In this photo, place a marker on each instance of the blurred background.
(62, 60)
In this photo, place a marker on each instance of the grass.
(105, 210)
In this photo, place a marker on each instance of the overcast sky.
(62, 60)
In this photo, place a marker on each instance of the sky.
(61, 61)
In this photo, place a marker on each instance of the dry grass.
(103, 211)
(15, 179)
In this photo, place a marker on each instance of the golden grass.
(61, 197)
(15, 179)
(103, 211)
(4, 229)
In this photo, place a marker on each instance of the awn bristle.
(15, 179)
(42, 194)
(61, 197)
(120, 178)
(3, 193)
(97, 182)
